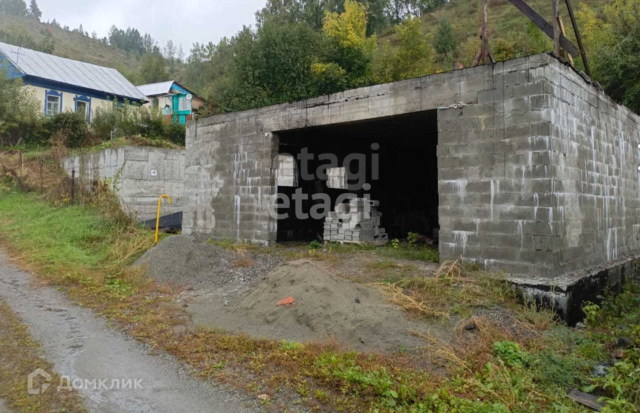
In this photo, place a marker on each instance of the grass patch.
(20, 355)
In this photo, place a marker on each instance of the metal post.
(485, 40)
(73, 185)
(41, 174)
(158, 215)
(587, 69)
(556, 29)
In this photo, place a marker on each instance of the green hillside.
(506, 23)
(73, 45)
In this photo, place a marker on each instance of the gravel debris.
(197, 264)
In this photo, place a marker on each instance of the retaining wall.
(139, 175)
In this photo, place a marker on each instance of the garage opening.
(391, 160)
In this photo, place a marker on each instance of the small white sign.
(154, 172)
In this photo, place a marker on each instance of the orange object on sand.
(286, 302)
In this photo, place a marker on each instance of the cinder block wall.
(129, 169)
(537, 168)
(594, 158)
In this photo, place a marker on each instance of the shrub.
(511, 353)
(72, 124)
(175, 133)
(118, 121)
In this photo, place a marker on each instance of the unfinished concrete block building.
(523, 166)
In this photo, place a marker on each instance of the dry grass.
(450, 290)
(20, 355)
(396, 295)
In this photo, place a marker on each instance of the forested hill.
(25, 31)
(301, 48)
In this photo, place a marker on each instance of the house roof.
(162, 88)
(70, 72)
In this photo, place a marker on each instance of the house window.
(53, 104)
(83, 105)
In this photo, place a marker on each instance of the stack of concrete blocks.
(287, 173)
(356, 222)
(337, 178)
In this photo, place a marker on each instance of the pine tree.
(14, 8)
(34, 10)
(445, 41)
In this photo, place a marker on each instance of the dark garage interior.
(407, 172)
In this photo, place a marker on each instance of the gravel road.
(84, 348)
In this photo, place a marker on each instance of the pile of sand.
(325, 306)
(185, 260)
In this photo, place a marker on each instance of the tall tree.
(348, 51)
(170, 55)
(19, 110)
(445, 42)
(34, 10)
(614, 46)
(411, 56)
(14, 7)
(153, 69)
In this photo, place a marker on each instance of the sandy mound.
(325, 306)
(185, 260)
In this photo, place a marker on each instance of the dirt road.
(84, 348)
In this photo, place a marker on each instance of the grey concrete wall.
(537, 168)
(129, 169)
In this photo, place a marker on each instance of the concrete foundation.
(139, 175)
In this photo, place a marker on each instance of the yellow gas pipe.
(158, 215)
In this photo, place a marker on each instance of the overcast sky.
(183, 21)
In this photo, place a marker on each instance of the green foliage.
(614, 44)
(34, 10)
(395, 244)
(315, 244)
(348, 51)
(411, 57)
(290, 346)
(125, 120)
(412, 238)
(261, 71)
(554, 369)
(591, 312)
(622, 384)
(14, 7)
(445, 42)
(20, 111)
(19, 36)
(511, 353)
(71, 124)
(153, 69)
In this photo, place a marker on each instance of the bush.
(119, 121)
(175, 133)
(72, 124)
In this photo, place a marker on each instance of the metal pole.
(158, 215)
(41, 174)
(587, 69)
(556, 29)
(485, 18)
(73, 185)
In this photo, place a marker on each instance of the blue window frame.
(52, 102)
(83, 104)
